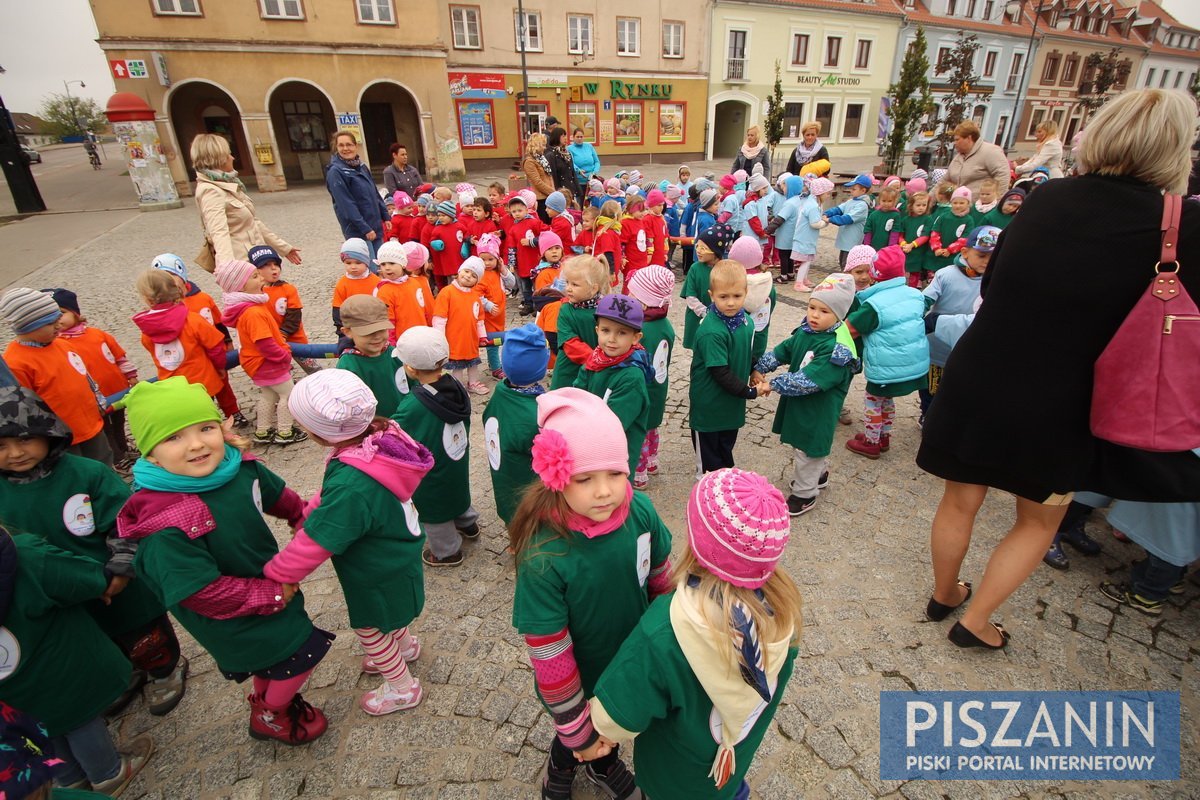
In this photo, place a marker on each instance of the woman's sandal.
(964, 638)
(939, 611)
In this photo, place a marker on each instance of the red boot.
(296, 723)
(863, 447)
(885, 441)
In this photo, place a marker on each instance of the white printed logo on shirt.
(661, 354)
(411, 519)
(459, 236)
(169, 354)
(887, 226)
(420, 297)
(491, 435)
(959, 232)
(107, 353)
(920, 231)
(10, 653)
(454, 440)
(643, 558)
(206, 312)
(77, 363)
(77, 515)
(762, 317)
(256, 494)
(281, 306)
(641, 241)
(401, 375)
(475, 309)
(808, 357)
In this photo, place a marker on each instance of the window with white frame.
(852, 122)
(833, 50)
(1150, 77)
(672, 39)
(800, 49)
(376, 12)
(793, 118)
(579, 34)
(180, 8)
(1014, 72)
(970, 9)
(824, 115)
(862, 54)
(282, 9)
(989, 63)
(943, 60)
(629, 36)
(951, 7)
(532, 40)
(988, 7)
(464, 21)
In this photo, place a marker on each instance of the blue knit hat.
(525, 355)
(65, 299)
(358, 249)
(446, 207)
(556, 201)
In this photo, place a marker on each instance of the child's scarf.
(733, 323)
(633, 357)
(156, 479)
(591, 529)
(236, 304)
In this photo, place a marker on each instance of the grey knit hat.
(28, 309)
(707, 197)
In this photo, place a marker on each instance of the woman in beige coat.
(1049, 153)
(536, 167)
(226, 211)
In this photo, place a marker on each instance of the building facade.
(277, 78)
(1174, 56)
(835, 60)
(631, 75)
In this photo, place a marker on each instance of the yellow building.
(278, 77)
(631, 75)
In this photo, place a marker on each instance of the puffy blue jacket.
(356, 200)
(897, 350)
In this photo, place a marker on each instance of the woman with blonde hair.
(810, 156)
(231, 227)
(754, 151)
(1012, 410)
(537, 171)
(1049, 153)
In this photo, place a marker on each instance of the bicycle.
(94, 158)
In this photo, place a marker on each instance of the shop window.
(628, 123)
(476, 123)
(629, 36)
(177, 8)
(583, 117)
(800, 50)
(672, 44)
(579, 34)
(793, 118)
(825, 115)
(465, 22)
(672, 121)
(862, 54)
(282, 9)
(852, 125)
(305, 126)
(833, 50)
(376, 12)
(528, 31)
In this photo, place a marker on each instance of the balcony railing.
(735, 69)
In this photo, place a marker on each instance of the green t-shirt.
(807, 422)
(623, 389)
(650, 688)
(509, 425)
(384, 374)
(55, 662)
(59, 793)
(596, 588)
(911, 229)
(376, 542)
(762, 326)
(997, 217)
(658, 337)
(176, 567)
(880, 225)
(951, 229)
(75, 508)
(445, 493)
(696, 284)
(573, 323)
(712, 408)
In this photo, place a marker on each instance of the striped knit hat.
(231, 276)
(447, 207)
(28, 309)
(334, 404)
(738, 526)
(652, 285)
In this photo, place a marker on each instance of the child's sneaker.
(823, 481)
(452, 560)
(1122, 594)
(387, 700)
(641, 480)
(240, 421)
(863, 447)
(140, 750)
(498, 374)
(163, 694)
(264, 437)
(617, 783)
(556, 783)
(293, 436)
(477, 387)
(844, 416)
(470, 532)
(800, 505)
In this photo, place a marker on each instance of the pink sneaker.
(410, 655)
(641, 480)
(477, 387)
(803, 288)
(386, 700)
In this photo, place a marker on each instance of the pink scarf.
(591, 529)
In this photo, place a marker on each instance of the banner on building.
(477, 85)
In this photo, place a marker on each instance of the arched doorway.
(303, 120)
(199, 107)
(389, 114)
(730, 120)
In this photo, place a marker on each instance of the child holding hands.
(653, 287)
(458, 313)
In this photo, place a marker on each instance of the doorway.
(379, 131)
(200, 107)
(389, 116)
(730, 120)
(1001, 129)
(304, 124)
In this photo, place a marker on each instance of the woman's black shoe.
(964, 638)
(939, 611)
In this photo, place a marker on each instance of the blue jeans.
(87, 752)
(1153, 577)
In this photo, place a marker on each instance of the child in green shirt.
(652, 286)
(914, 235)
(700, 678)
(587, 280)
(590, 556)
(365, 320)
(948, 235)
(710, 248)
(369, 482)
(203, 543)
(1005, 210)
(883, 224)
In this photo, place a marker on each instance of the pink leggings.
(386, 651)
(278, 694)
(649, 457)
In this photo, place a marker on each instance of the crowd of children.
(623, 645)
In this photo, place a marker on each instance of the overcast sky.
(46, 42)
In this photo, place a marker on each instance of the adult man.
(975, 161)
(399, 175)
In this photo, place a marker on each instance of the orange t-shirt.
(284, 296)
(493, 289)
(188, 355)
(409, 305)
(547, 320)
(59, 376)
(348, 287)
(422, 280)
(463, 312)
(100, 353)
(203, 304)
(545, 277)
(255, 323)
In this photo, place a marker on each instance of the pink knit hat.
(546, 240)
(820, 186)
(890, 179)
(418, 255)
(401, 200)
(579, 433)
(727, 182)
(738, 526)
(652, 286)
(655, 198)
(529, 197)
(466, 193)
(746, 251)
(231, 276)
(334, 404)
(961, 191)
(673, 193)
(889, 263)
(489, 244)
(859, 254)
(915, 185)
(741, 176)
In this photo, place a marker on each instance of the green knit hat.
(158, 410)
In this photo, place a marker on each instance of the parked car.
(30, 155)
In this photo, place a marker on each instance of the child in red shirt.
(561, 222)
(481, 223)
(635, 243)
(446, 243)
(405, 224)
(523, 247)
(606, 238)
(458, 313)
(356, 256)
(656, 227)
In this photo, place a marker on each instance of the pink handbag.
(1146, 387)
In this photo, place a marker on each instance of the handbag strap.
(1168, 252)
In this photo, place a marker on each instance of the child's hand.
(763, 389)
(289, 591)
(906, 248)
(756, 378)
(133, 381)
(115, 586)
(599, 749)
(942, 253)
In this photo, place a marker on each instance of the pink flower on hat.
(587, 437)
(961, 191)
(738, 526)
(552, 461)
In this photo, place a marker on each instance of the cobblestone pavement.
(860, 557)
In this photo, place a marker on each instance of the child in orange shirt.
(419, 270)
(548, 302)
(551, 247)
(358, 279)
(264, 352)
(284, 300)
(202, 303)
(458, 313)
(392, 290)
(497, 282)
(42, 363)
(106, 363)
(179, 341)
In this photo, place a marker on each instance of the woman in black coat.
(562, 166)
(754, 151)
(1012, 409)
(809, 151)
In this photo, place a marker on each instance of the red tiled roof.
(919, 12)
(1148, 8)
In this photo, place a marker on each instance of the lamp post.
(71, 102)
(1022, 88)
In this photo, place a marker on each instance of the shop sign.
(827, 80)
(548, 80)
(619, 90)
(477, 85)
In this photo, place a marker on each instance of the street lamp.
(71, 101)
(1064, 19)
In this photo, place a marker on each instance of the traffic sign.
(118, 68)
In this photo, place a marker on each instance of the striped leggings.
(386, 650)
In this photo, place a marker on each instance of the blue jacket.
(805, 236)
(700, 223)
(586, 160)
(851, 216)
(784, 213)
(356, 201)
(897, 350)
(732, 205)
(674, 216)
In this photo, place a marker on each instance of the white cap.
(422, 347)
(392, 252)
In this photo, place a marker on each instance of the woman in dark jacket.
(810, 156)
(356, 202)
(1012, 409)
(562, 165)
(754, 151)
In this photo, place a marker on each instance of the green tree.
(1101, 72)
(1194, 86)
(959, 68)
(773, 125)
(910, 100)
(71, 116)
